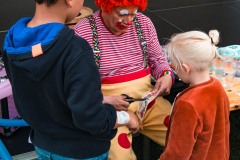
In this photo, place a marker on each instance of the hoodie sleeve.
(84, 97)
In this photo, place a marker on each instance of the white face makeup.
(120, 19)
(123, 12)
(126, 12)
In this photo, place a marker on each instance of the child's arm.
(185, 127)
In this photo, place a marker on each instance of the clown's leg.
(156, 120)
(121, 148)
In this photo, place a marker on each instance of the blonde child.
(199, 121)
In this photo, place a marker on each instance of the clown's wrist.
(169, 72)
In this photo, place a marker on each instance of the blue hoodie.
(57, 90)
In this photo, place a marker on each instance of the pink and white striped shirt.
(122, 54)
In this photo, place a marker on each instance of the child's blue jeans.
(45, 155)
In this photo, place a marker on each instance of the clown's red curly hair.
(108, 5)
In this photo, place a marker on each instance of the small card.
(144, 104)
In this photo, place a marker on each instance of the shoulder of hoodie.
(74, 48)
(78, 45)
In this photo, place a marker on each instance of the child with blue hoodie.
(56, 85)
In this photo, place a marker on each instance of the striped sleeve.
(157, 60)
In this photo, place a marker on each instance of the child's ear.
(186, 67)
(69, 3)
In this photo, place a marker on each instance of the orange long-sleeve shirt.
(199, 124)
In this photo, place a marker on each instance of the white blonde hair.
(195, 48)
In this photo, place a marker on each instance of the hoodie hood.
(19, 42)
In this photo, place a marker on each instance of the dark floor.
(169, 17)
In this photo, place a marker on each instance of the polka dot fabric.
(154, 122)
(123, 141)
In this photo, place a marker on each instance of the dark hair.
(47, 2)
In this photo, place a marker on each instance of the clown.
(128, 54)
